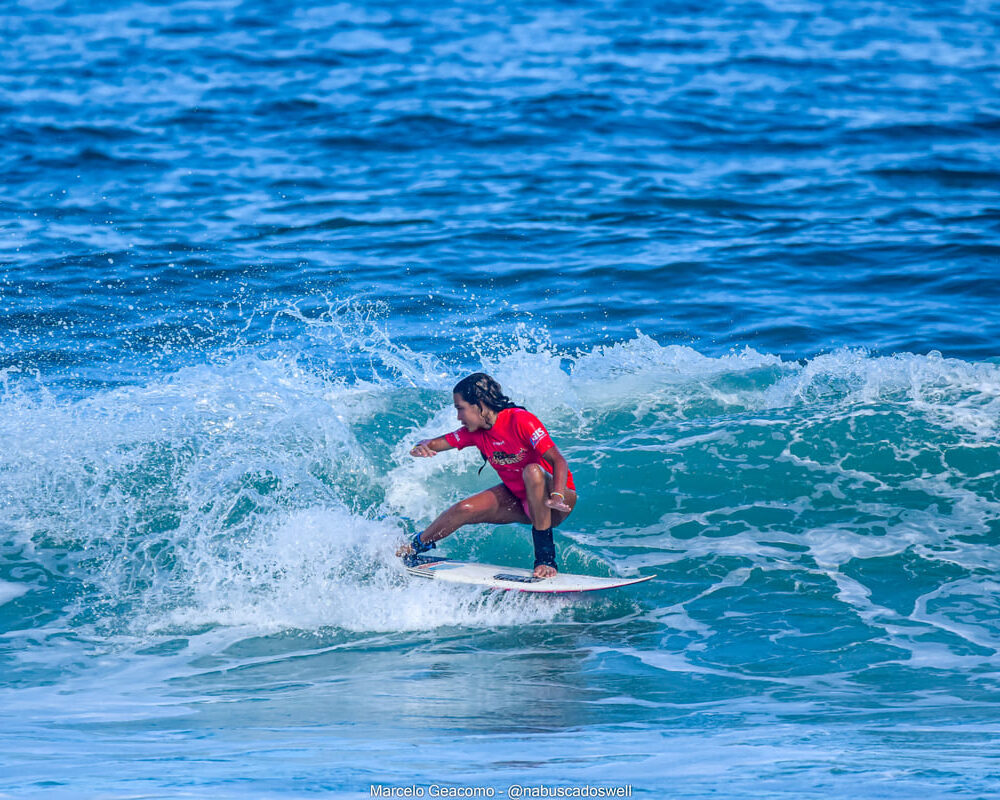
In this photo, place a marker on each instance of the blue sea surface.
(742, 258)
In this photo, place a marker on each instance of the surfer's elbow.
(554, 457)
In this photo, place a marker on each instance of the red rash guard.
(516, 439)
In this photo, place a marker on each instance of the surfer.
(537, 487)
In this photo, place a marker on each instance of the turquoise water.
(741, 258)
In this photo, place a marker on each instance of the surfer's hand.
(544, 571)
(557, 503)
(421, 450)
(405, 549)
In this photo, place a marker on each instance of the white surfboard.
(510, 578)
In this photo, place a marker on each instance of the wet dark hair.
(480, 389)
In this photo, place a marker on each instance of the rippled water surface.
(741, 257)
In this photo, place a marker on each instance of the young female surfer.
(537, 486)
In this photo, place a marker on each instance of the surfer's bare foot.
(404, 550)
(544, 571)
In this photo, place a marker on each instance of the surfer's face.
(469, 415)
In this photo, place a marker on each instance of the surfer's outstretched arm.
(431, 447)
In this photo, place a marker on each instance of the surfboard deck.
(510, 578)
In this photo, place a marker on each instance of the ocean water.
(743, 258)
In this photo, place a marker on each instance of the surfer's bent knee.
(533, 474)
(467, 508)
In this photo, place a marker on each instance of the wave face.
(741, 258)
(823, 534)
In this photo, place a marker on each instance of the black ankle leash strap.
(545, 549)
